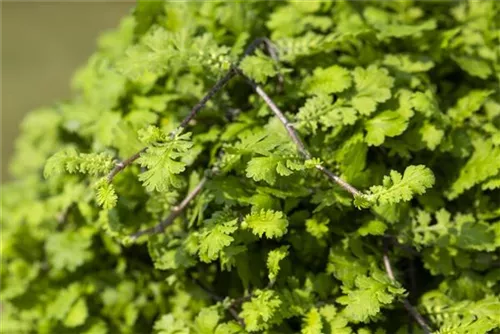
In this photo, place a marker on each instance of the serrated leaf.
(399, 30)
(373, 86)
(263, 168)
(106, 194)
(321, 111)
(163, 163)
(59, 307)
(474, 66)
(69, 249)
(386, 124)
(273, 261)
(56, 164)
(483, 164)
(370, 294)
(270, 223)
(260, 310)
(216, 236)
(468, 104)
(312, 323)
(372, 227)
(258, 67)
(431, 135)
(206, 321)
(333, 79)
(168, 324)
(408, 63)
(396, 187)
(425, 103)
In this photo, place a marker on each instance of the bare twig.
(352, 190)
(194, 111)
(123, 164)
(252, 46)
(176, 211)
(407, 305)
(296, 138)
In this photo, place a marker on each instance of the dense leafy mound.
(341, 175)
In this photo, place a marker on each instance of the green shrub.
(343, 175)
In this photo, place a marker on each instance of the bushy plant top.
(272, 167)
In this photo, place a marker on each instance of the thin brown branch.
(176, 211)
(253, 46)
(352, 190)
(294, 136)
(123, 164)
(407, 305)
(194, 111)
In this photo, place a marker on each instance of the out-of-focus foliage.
(400, 98)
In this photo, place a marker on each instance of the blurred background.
(42, 44)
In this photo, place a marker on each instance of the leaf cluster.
(399, 99)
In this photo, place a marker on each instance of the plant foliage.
(241, 231)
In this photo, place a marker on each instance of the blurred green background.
(42, 45)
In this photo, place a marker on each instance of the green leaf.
(431, 135)
(425, 103)
(372, 227)
(408, 63)
(273, 261)
(168, 324)
(317, 227)
(260, 312)
(77, 314)
(320, 110)
(396, 187)
(59, 307)
(312, 323)
(263, 168)
(106, 194)
(474, 66)
(386, 124)
(217, 235)
(478, 168)
(206, 321)
(85, 163)
(369, 296)
(56, 164)
(373, 86)
(163, 163)
(270, 223)
(69, 249)
(468, 105)
(229, 328)
(258, 67)
(333, 79)
(398, 30)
